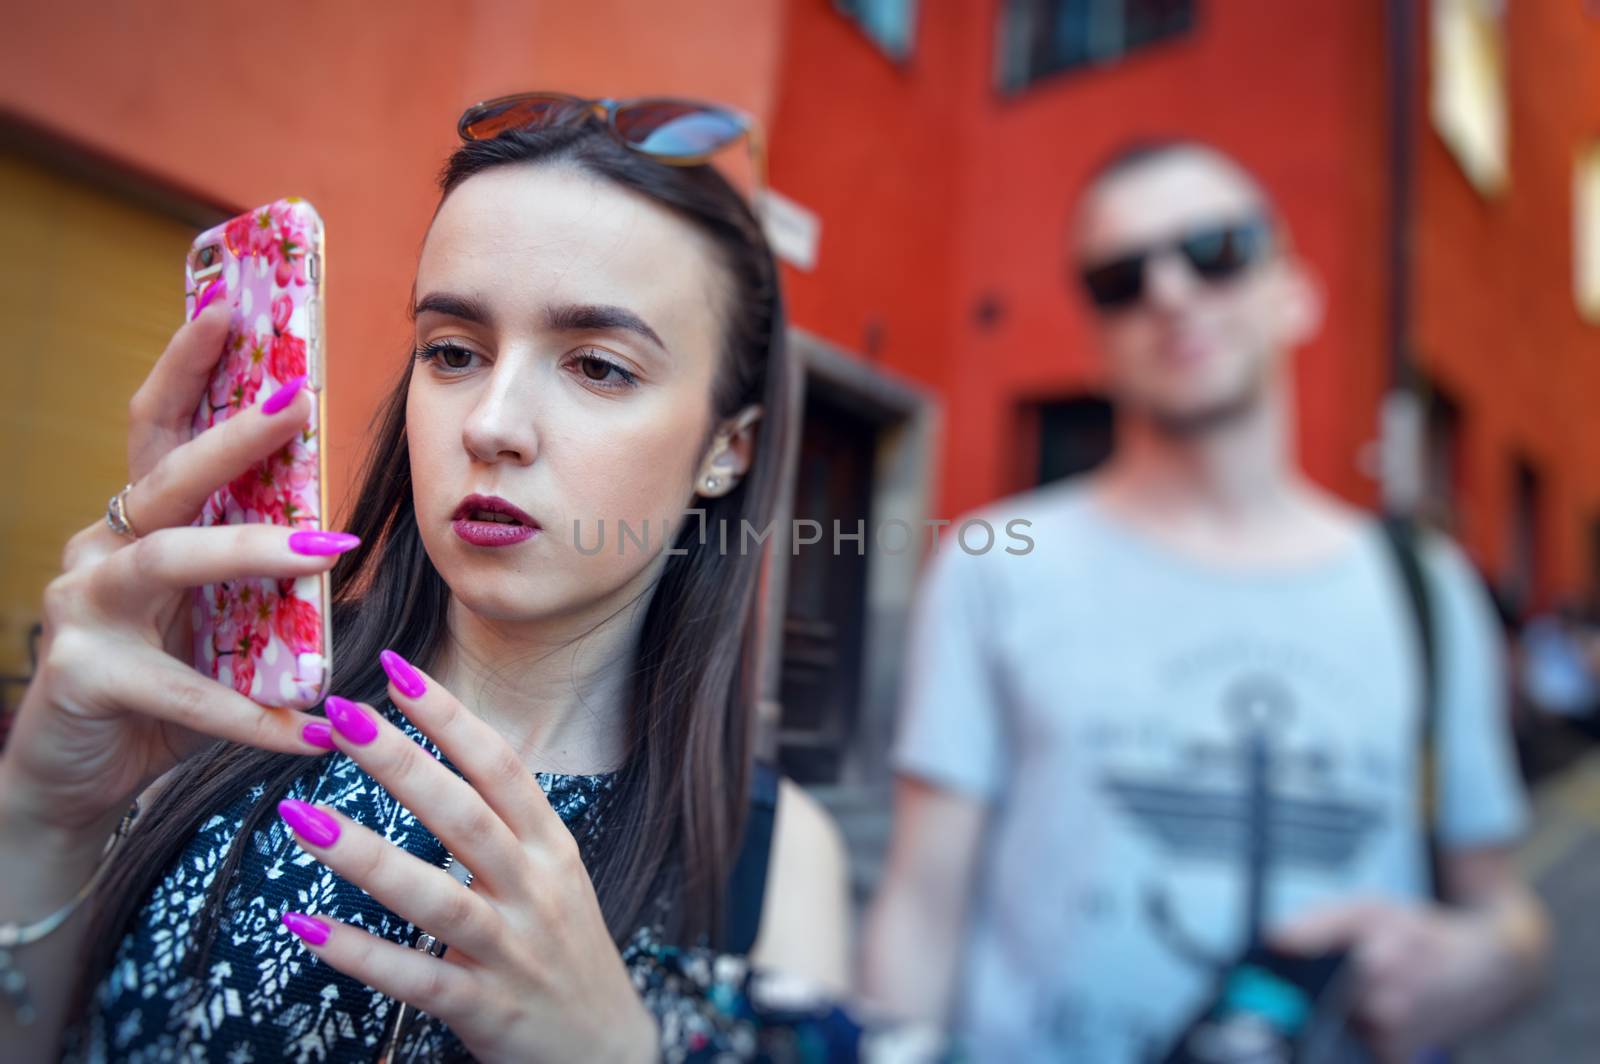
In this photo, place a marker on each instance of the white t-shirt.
(1131, 714)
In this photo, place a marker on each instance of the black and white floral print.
(263, 997)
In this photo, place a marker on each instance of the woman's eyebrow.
(592, 317)
(464, 307)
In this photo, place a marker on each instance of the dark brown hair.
(674, 818)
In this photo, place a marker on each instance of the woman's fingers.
(431, 984)
(428, 897)
(137, 679)
(173, 490)
(480, 752)
(443, 801)
(160, 411)
(175, 559)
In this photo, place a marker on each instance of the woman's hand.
(531, 971)
(115, 702)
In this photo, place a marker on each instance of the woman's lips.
(490, 521)
(491, 533)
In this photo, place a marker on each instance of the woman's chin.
(507, 601)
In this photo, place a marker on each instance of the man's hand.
(1426, 975)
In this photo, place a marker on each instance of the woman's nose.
(502, 424)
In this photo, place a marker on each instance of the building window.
(1467, 95)
(891, 24)
(1586, 233)
(1042, 37)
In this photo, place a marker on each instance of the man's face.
(1187, 350)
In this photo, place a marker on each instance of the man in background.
(1189, 718)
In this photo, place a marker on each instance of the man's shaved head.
(1129, 159)
(1190, 349)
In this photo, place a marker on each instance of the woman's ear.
(733, 449)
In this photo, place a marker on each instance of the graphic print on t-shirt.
(1083, 694)
(1225, 803)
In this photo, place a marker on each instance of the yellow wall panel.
(91, 289)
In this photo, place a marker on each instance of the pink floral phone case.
(268, 639)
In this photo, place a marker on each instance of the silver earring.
(713, 483)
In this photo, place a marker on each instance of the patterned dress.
(264, 997)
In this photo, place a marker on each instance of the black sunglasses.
(1216, 253)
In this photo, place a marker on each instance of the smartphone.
(268, 639)
(1272, 1007)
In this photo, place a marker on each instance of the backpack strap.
(1402, 535)
(747, 886)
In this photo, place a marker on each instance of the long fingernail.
(309, 928)
(210, 292)
(283, 396)
(310, 541)
(309, 822)
(406, 680)
(350, 720)
(318, 733)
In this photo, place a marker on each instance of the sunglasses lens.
(1220, 253)
(1115, 284)
(677, 130)
(523, 112)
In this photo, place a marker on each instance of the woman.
(599, 339)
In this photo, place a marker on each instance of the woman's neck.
(557, 690)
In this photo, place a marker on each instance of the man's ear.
(1302, 304)
(733, 449)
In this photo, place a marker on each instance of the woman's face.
(568, 334)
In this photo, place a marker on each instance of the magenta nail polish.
(283, 396)
(211, 291)
(309, 928)
(350, 720)
(309, 822)
(310, 541)
(406, 680)
(318, 733)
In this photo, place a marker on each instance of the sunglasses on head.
(672, 131)
(1216, 253)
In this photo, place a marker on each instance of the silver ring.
(117, 515)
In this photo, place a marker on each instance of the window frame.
(1012, 83)
(913, 24)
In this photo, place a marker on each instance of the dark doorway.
(1593, 605)
(1526, 528)
(1075, 435)
(1443, 466)
(824, 622)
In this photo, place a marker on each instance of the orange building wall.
(946, 192)
(1496, 323)
(935, 191)
(245, 102)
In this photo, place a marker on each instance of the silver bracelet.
(13, 983)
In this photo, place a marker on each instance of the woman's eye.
(449, 356)
(604, 372)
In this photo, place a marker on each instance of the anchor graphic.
(1258, 825)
